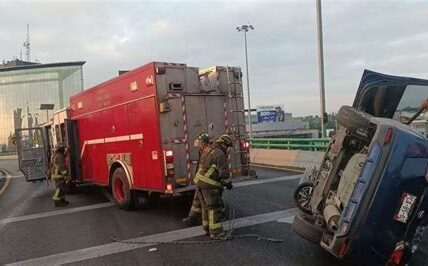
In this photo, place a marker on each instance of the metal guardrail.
(7, 153)
(290, 144)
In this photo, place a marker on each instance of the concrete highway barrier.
(297, 159)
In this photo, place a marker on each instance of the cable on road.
(229, 237)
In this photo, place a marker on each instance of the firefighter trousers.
(59, 194)
(196, 209)
(212, 206)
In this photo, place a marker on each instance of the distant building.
(289, 128)
(24, 86)
(15, 63)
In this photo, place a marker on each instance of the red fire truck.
(134, 133)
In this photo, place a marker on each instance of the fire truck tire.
(352, 119)
(121, 190)
(306, 229)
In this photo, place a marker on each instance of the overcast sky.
(385, 36)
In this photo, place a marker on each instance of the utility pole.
(245, 28)
(27, 44)
(321, 67)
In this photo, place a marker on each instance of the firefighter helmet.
(225, 139)
(204, 137)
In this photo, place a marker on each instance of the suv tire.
(352, 119)
(306, 229)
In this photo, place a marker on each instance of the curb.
(4, 181)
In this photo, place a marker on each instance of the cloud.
(383, 36)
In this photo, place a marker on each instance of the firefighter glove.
(228, 186)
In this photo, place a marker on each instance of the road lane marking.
(266, 180)
(16, 176)
(54, 213)
(288, 220)
(111, 203)
(114, 248)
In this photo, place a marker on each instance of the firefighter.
(201, 142)
(211, 177)
(58, 173)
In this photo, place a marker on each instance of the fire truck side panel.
(197, 123)
(148, 159)
(227, 81)
(176, 87)
(118, 121)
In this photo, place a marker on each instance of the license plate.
(407, 203)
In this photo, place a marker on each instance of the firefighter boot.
(61, 203)
(221, 236)
(191, 221)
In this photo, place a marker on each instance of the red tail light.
(397, 254)
(388, 136)
(169, 156)
(343, 249)
(245, 145)
(169, 163)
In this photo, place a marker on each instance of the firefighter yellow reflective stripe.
(212, 224)
(206, 178)
(56, 195)
(205, 223)
(57, 177)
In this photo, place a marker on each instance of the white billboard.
(270, 113)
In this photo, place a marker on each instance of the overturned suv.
(369, 199)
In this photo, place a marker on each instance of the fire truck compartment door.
(72, 140)
(32, 153)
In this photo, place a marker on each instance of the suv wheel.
(352, 119)
(309, 231)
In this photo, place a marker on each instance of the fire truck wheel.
(306, 229)
(121, 189)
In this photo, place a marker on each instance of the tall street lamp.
(321, 68)
(245, 28)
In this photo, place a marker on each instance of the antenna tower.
(27, 45)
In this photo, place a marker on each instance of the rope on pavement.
(228, 237)
(197, 242)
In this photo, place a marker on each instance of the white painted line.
(114, 248)
(16, 176)
(111, 203)
(136, 136)
(117, 139)
(94, 141)
(54, 213)
(288, 220)
(266, 180)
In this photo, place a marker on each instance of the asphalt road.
(34, 232)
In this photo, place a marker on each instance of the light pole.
(321, 67)
(245, 28)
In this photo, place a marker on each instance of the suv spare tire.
(306, 229)
(352, 119)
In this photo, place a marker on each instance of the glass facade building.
(24, 88)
